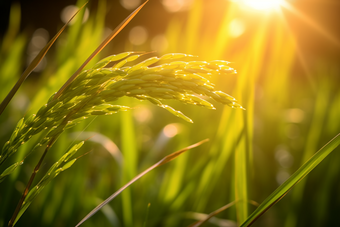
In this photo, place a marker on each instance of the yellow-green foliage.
(93, 91)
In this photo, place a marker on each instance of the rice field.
(259, 81)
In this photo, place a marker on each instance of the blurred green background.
(287, 61)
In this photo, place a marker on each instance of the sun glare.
(262, 4)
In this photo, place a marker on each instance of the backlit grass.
(254, 157)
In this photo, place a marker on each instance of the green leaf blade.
(283, 189)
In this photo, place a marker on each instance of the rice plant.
(101, 118)
(92, 92)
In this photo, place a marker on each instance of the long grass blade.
(53, 172)
(34, 64)
(101, 46)
(24, 194)
(241, 191)
(163, 161)
(313, 137)
(281, 191)
(130, 164)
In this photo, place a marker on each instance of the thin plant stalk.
(212, 214)
(28, 186)
(34, 64)
(163, 161)
(99, 48)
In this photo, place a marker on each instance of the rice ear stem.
(28, 186)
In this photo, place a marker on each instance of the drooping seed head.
(94, 90)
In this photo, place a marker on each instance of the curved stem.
(36, 169)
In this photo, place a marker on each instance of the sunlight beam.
(299, 53)
(312, 23)
(261, 4)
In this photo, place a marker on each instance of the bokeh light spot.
(142, 114)
(294, 115)
(284, 158)
(20, 102)
(130, 4)
(40, 38)
(170, 130)
(261, 4)
(159, 43)
(138, 35)
(69, 11)
(236, 28)
(282, 176)
(177, 5)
